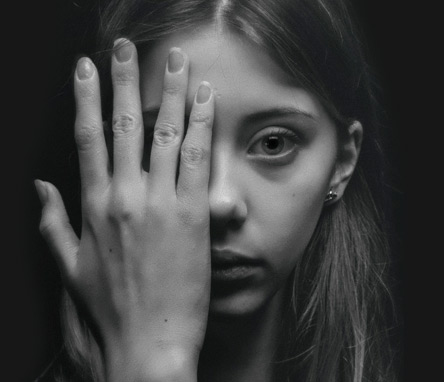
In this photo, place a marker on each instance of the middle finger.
(127, 116)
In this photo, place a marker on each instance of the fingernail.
(85, 68)
(123, 49)
(175, 60)
(203, 93)
(42, 191)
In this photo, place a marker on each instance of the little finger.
(88, 128)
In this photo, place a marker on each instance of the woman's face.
(273, 158)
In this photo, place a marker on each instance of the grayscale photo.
(214, 194)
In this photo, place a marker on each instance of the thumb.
(56, 228)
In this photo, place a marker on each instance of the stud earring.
(330, 196)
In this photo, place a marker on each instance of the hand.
(141, 268)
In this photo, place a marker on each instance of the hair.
(337, 323)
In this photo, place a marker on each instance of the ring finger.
(169, 127)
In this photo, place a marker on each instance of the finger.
(91, 146)
(194, 171)
(169, 128)
(127, 116)
(56, 229)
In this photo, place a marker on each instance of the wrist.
(166, 365)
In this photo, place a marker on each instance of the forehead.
(242, 74)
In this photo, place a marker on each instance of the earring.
(330, 196)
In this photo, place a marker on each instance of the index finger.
(88, 127)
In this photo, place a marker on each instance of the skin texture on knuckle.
(124, 124)
(173, 89)
(165, 134)
(122, 209)
(192, 155)
(200, 118)
(86, 133)
(121, 215)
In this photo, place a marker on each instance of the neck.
(242, 349)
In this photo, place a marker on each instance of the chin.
(238, 305)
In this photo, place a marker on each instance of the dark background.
(42, 45)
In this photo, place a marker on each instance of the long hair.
(335, 325)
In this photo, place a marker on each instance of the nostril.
(227, 212)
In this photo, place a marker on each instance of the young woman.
(232, 220)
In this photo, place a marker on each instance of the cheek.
(287, 226)
(285, 216)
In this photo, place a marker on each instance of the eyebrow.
(275, 112)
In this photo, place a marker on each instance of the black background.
(41, 45)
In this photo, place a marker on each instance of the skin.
(262, 207)
(142, 269)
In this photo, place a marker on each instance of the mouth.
(227, 266)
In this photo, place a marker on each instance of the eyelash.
(288, 136)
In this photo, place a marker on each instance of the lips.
(227, 265)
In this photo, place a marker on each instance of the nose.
(228, 207)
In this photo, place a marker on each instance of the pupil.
(272, 143)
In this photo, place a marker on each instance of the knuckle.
(165, 133)
(192, 155)
(120, 209)
(121, 213)
(86, 133)
(200, 118)
(124, 123)
(172, 88)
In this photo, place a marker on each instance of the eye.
(274, 143)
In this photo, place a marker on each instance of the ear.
(348, 154)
